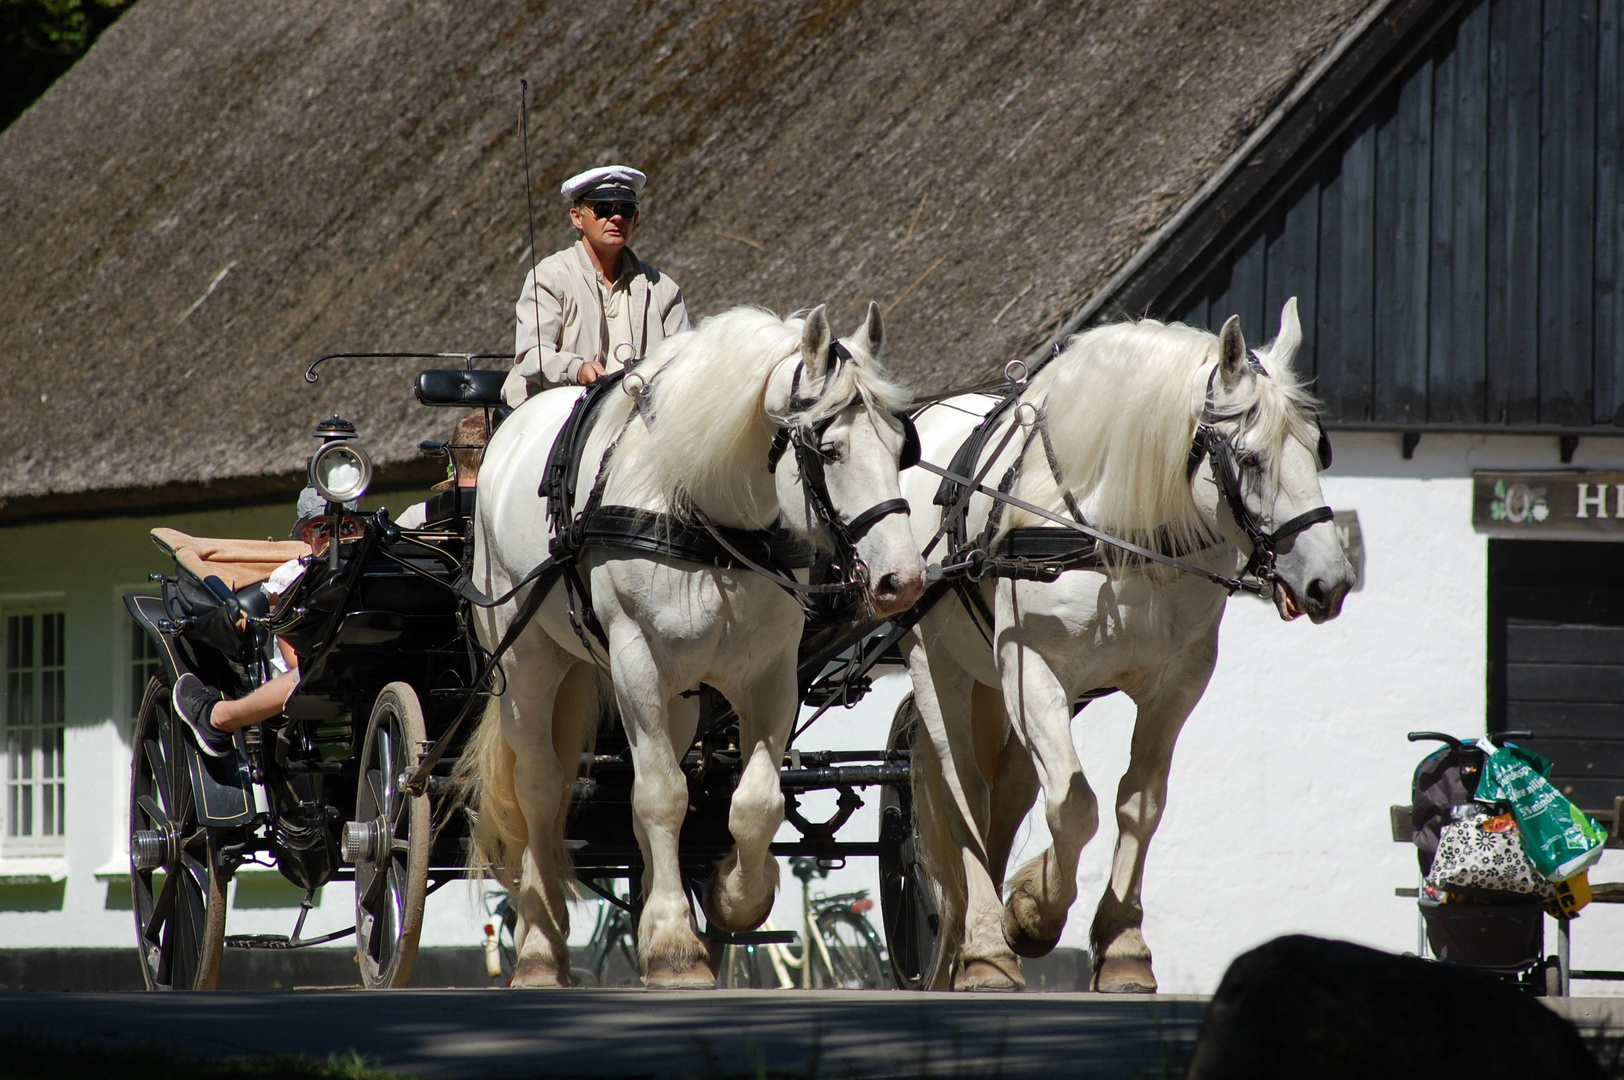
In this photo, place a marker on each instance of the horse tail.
(938, 853)
(497, 832)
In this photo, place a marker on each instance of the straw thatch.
(220, 192)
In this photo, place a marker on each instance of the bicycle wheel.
(854, 960)
(614, 952)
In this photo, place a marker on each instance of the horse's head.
(848, 433)
(1265, 448)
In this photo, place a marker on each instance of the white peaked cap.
(618, 182)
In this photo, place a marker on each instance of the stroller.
(1499, 932)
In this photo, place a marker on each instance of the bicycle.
(845, 950)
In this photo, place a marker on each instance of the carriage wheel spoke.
(155, 813)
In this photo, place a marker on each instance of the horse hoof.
(990, 975)
(1020, 939)
(662, 976)
(1124, 976)
(1030, 947)
(531, 974)
(728, 921)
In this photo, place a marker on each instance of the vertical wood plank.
(1567, 212)
(1246, 287)
(1512, 343)
(1356, 273)
(1459, 226)
(1403, 230)
(1290, 268)
(1441, 377)
(1332, 366)
(1609, 341)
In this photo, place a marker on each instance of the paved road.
(635, 1033)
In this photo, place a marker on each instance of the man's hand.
(588, 373)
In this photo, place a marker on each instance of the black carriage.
(354, 781)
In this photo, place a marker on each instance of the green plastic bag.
(1558, 838)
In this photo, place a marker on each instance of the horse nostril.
(890, 584)
(1317, 591)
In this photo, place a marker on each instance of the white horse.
(1122, 404)
(698, 448)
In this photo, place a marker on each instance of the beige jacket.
(561, 323)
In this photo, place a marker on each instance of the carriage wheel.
(389, 842)
(913, 930)
(177, 891)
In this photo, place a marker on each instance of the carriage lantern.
(340, 470)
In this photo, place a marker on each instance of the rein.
(1258, 576)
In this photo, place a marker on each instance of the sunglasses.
(321, 530)
(603, 211)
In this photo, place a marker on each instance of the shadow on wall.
(33, 895)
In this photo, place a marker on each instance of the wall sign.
(1529, 504)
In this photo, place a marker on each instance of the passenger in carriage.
(468, 439)
(211, 716)
(594, 307)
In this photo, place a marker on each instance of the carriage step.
(755, 937)
(282, 941)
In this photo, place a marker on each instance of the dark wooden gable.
(1455, 235)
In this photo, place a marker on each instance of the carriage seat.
(472, 389)
(238, 563)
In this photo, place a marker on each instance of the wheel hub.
(361, 840)
(153, 849)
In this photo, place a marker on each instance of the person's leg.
(256, 707)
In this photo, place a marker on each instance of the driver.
(594, 307)
(211, 716)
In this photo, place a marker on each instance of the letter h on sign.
(1599, 500)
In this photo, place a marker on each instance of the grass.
(23, 1060)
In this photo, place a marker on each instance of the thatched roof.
(216, 195)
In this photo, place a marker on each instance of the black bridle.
(1212, 444)
(807, 442)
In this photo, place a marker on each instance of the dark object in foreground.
(1306, 1007)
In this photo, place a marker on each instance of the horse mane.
(708, 431)
(1122, 405)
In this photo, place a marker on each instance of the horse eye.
(830, 451)
(1251, 460)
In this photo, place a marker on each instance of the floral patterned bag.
(1479, 852)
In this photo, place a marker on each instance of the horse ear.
(1290, 338)
(1232, 365)
(815, 344)
(873, 330)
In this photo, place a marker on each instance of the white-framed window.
(35, 721)
(142, 664)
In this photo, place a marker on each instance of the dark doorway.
(1556, 659)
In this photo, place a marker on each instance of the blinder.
(909, 456)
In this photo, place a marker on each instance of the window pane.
(35, 716)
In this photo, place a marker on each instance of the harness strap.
(1054, 463)
(788, 584)
(1229, 584)
(858, 527)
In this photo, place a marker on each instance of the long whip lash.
(530, 205)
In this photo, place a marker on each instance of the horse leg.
(537, 670)
(740, 895)
(1121, 959)
(1014, 783)
(942, 692)
(1041, 892)
(669, 950)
